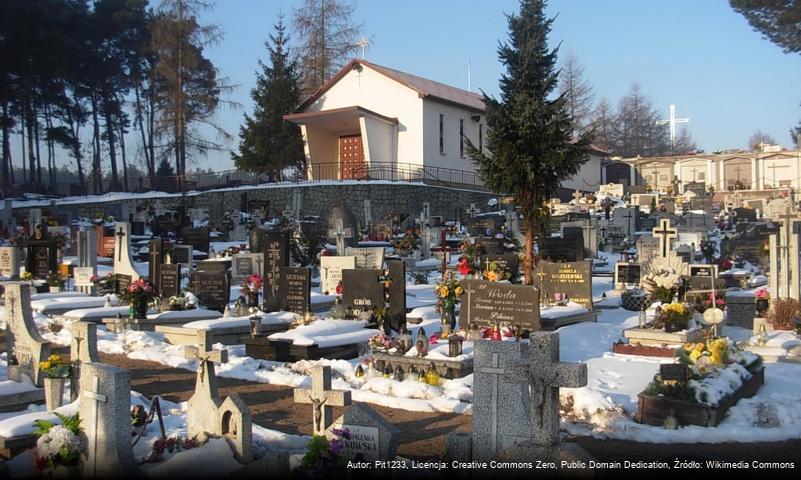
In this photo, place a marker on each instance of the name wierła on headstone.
(487, 303)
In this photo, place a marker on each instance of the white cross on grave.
(545, 374)
(341, 234)
(473, 210)
(322, 398)
(96, 397)
(665, 235)
(206, 399)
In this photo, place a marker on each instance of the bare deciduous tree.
(578, 92)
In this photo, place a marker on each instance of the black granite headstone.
(276, 256)
(137, 228)
(397, 293)
(170, 280)
(628, 273)
(491, 246)
(486, 303)
(508, 262)
(182, 254)
(256, 240)
(211, 288)
(42, 258)
(361, 289)
(199, 238)
(294, 289)
(556, 249)
(121, 283)
(479, 227)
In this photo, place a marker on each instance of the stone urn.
(54, 392)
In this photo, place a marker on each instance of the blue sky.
(699, 55)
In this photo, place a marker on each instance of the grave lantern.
(455, 345)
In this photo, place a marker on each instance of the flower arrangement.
(57, 445)
(763, 294)
(465, 268)
(495, 272)
(26, 276)
(725, 264)
(470, 250)
(181, 302)
(55, 367)
(54, 280)
(139, 292)
(379, 342)
(253, 284)
(449, 292)
(704, 303)
(104, 283)
(323, 455)
(408, 243)
(708, 250)
(661, 284)
(170, 445)
(675, 316)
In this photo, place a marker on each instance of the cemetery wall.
(318, 199)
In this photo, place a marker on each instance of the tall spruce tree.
(267, 142)
(530, 150)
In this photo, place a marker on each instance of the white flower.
(49, 444)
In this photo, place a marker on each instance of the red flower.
(464, 266)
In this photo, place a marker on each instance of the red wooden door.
(351, 157)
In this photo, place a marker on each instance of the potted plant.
(138, 295)
(449, 294)
(58, 446)
(675, 316)
(56, 371)
(662, 285)
(54, 282)
(762, 301)
(783, 312)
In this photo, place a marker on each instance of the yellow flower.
(54, 358)
(443, 291)
(45, 365)
(459, 291)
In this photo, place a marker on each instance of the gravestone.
(256, 240)
(105, 413)
(647, 248)
(212, 289)
(198, 238)
(556, 249)
(276, 256)
(123, 263)
(487, 303)
(396, 313)
(294, 289)
(23, 340)
(491, 246)
(236, 427)
(703, 270)
(361, 289)
(367, 257)
(244, 265)
(170, 280)
(42, 255)
(480, 226)
(372, 438)
(741, 309)
(155, 258)
(87, 255)
(82, 277)
(545, 375)
(331, 271)
(501, 412)
(509, 263)
(628, 273)
(10, 262)
(83, 349)
(121, 283)
(626, 218)
(571, 278)
(745, 215)
(183, 254)
(204, 403)
(322, 398)
(138, 228)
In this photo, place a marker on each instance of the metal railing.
(316, 172)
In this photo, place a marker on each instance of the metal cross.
(472, 211)
(120, 234)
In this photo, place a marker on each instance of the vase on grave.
(762, 305)
(451, 317)
(253, 299)
(54, 392)
(140, 309)
(338, 311)
(255, 326)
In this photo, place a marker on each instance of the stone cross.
(577, 196)
(105, 413)
(340, 234)
(206, 400)
(500, 409)
(665, 235)
(545, 374)
(424, 230)
(473, 210)
(23, 340)
(123, 264)
(322, 398)
(83, 349)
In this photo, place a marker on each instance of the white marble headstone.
(123, 263)
(331, 271)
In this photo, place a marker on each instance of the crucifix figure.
(665, 235)
(545, 374)
(206, 381)
(120, 235)
(322, 398)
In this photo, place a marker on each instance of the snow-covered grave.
(61, 305)
(227, 331)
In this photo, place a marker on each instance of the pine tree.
(530, 150)
(268, 143)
